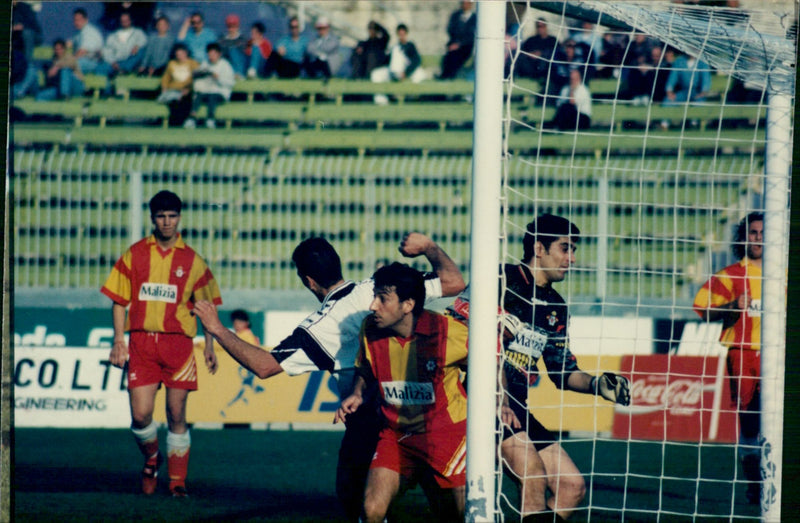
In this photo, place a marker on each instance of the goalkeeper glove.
(612, 387)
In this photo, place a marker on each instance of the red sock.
(178, 466)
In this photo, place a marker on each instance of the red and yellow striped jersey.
(418, 376)
(726, 286)
(161, 286)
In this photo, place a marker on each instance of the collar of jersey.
(180, 244)
(340, 292)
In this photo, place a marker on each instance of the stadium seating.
(312, 157)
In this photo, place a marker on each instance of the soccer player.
(535, 318)
(733, 296)
(328, 340)
(414, 356)
(158, 278)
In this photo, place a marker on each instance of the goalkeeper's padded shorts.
(540, 436)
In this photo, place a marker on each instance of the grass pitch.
(75, 475)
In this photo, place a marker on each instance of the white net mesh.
(655, 151)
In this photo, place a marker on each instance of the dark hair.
(165, 201)
(408, 283)
(59, 41)
(240, 315)
(179, 46)
(162, 17)
(546, 229)
(404, 27)
(214, 46)
(739, 246)
(197, 13)
(80, 11)
(317, 258)
(258, 26)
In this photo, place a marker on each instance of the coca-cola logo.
(656, 391)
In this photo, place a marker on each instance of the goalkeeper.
(535, 327)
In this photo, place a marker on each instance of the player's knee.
(374, 510)
(574, 489)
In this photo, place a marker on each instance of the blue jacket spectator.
(234, 45)
(158, 50)
(689, 80)
(198, 37)
(290, 51)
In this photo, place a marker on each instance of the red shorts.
(156, 357)
(442, 453)
(744, 368)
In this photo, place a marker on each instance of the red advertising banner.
(677, 398)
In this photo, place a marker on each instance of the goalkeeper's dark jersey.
(545, 314)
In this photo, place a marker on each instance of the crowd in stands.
(199, 67)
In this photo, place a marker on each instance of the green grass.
(244, 475)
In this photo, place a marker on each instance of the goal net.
(645, 124)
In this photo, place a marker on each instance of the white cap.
(322, 22)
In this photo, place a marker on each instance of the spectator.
(87, 44)
(460, 40)
(176, 85)
(124, 48)
(662, 60)
(259, 49)
(370, 54)
(639, 75)
(404, 63)
(568, 59)
(574, 109)
(159, 46)
(141, 14)
(24, 78)
(612, 55)
(322, 53)
(540, 51)
(63, 78)
(26, 25)
(290, 51)
(588, 42)
(689, 80)
(198, 38)
(234, 45)
(213, 83)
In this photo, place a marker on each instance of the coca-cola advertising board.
(676, 398)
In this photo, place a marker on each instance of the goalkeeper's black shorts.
(540, 436)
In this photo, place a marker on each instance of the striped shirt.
(161, 286)
(418, 376)
(726, 286)
(328, 338)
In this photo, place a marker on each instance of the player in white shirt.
(328, 340)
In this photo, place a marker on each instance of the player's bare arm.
(119, 351)
(255, 359)
(415, 244)
(351, 403)
(209, 355)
